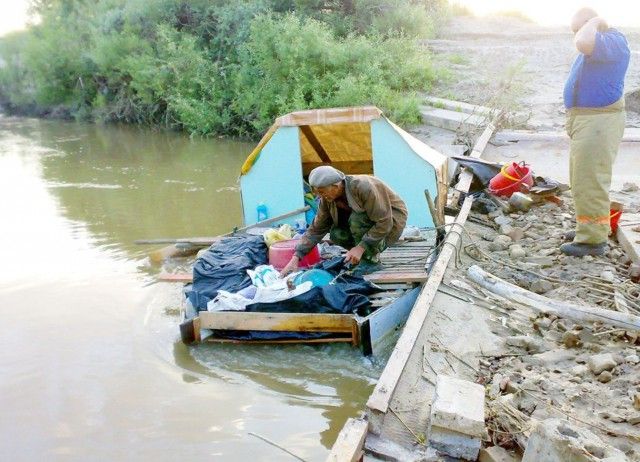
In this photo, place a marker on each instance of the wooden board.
(382, 277)
(291, 322)
(380, 398)
(175, 277)
(506, 136)
(348, 446)
(465, 178)
(279, 342)
(379, 277)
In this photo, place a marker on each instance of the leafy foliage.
(216, 67)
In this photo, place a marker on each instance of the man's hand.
(585, 39)
(291, 266)
(354, 255)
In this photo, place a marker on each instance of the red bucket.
(281, 252)
(614, 216)
(512, 178)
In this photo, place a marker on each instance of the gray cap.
(325, 175)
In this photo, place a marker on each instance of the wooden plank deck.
(402, 262)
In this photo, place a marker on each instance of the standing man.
(594, 98)
(361, 213)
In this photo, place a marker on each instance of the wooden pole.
(205, 241)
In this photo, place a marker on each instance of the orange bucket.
(512, 178)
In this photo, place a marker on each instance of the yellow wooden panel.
(291, 322)
(348, 142)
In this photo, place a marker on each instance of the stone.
(458, 405)
(502, 220)
(557, 440)
(541, 286)
(494, 389)
(632, 359)
(516, 252)
(636, 401)
(601, 362)
(608, 276)
(516, 234)
(571, 340)
(605, 377)
(579, 370)
(531, 344)
(495, 454)
(629, 187)
(550, 359)
(506, 229)
(500, 242)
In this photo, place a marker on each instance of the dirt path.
(483, 53)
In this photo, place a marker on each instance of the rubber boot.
(574, 249)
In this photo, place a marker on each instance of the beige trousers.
(595, 136)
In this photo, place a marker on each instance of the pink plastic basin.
(281, 252)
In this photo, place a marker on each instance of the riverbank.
(516, 65)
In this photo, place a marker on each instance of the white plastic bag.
(264, 275)
(226, 301)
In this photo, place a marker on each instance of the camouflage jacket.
(364, 193)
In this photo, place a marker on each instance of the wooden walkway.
(400, 403)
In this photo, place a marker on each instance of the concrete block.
(558, 440)
(496, 454)
(451, 120)
(458, 405)
(454, 444)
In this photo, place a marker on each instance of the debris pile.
(560, 384)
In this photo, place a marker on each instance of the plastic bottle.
(263, 214)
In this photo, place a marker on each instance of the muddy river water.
(91, 366)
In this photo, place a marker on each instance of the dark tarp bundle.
(224, 267)
(482, 170)
(348, 294)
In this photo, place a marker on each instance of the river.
(91, 365)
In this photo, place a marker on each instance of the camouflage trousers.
(594, 145)
(359, 224)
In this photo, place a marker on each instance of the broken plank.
(349, 445)
(175, 277)
(627, 237)
(466, 177)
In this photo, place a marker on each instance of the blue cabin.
(356, 140)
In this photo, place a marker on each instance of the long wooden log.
(548, 305)
(205, 241)
(380, 399)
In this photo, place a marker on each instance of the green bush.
(214, 67)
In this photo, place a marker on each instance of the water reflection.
(91, 362)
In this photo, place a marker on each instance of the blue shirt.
(598, 80)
